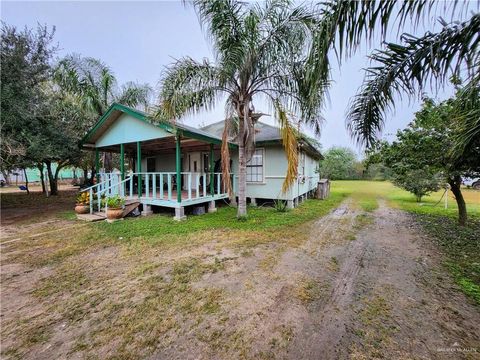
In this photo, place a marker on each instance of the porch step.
(96, 216)
(130, 205)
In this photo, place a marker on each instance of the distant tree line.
(342, 163)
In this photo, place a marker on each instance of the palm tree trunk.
(462, 208)
(242, 170)
(242, 182)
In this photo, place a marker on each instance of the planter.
(114, 214)
(82, 209)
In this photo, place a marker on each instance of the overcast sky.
(138, 39)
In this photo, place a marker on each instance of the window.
(255, 167)
(301, 164)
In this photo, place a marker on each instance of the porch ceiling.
(163, 146)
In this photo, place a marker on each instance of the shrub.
(280, 205)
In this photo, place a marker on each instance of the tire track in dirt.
(323, 332)
(390, 298)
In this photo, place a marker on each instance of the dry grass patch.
(308, 290)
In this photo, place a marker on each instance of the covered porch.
(158, 164)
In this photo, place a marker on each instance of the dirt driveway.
(358, 285)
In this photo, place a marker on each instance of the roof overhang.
(116, 110)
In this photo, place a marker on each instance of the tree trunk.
(242, 182)
(242, 169)
(85, 176)
(52, 180)
(57, 171)
(5, 176)
(42, 178)
(92, 176)
(462, 208)
(26, 181)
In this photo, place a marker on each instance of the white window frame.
(302, 163)
(263, 167)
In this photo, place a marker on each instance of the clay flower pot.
(114, 214)
(82, 209)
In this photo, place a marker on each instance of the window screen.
(255, 167)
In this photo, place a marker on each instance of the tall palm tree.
(95, 87)
(262, 52)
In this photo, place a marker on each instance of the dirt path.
(390, 299)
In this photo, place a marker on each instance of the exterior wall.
(163, 163)
(275, 168)
(127, 129)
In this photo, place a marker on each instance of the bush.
(418, 182)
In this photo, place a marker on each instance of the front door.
(194, 166)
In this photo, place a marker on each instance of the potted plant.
(82, 205)
(115, 207)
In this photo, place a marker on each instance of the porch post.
(212, 165)
(139, 169)
(178, 168)
(122, 161)
(97, 164)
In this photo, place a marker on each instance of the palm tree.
(263, 52)
(95, 87)
(94, 83)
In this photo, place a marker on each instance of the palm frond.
(188, 86)
(467, 115)
(134, 94)
(290, 144)
(89, 78)
(349, 23)
(405, 69)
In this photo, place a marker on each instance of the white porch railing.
(158, 187)
(110, 186)
(195, 185)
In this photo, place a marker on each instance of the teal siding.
(33, 174)
(275, 168)
(127, 129)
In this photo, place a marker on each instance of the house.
(178, 166)
(267, 169)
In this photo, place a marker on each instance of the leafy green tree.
(427, 147)
(262, 51)
(59, 148)
(339, 163)
(25, 64)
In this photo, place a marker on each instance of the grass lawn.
(134, 281)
